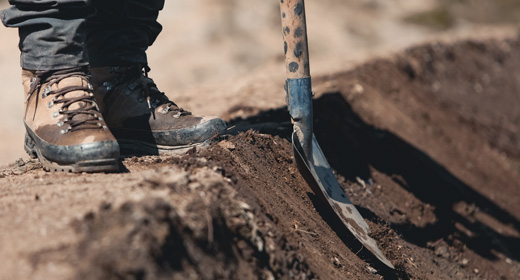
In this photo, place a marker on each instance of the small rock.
(227, 145)
(361, 182)
(358, 89)
(336, 262)
(509, 261)
(464, 262)
(371, 269)
(476, 270)
(268, 275)
(442, 251)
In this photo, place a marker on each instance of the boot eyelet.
(89, 85)
(60, 123)
(63, 131)
(166, 109)
(107, 85)
(133, 85)
(46, 92)
(55, 114)
(50, 104)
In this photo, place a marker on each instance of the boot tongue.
(81, 105)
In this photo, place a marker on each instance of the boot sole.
(131, 144)
(130, 147)
(90, 166)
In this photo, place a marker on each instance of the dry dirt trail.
(424, 140)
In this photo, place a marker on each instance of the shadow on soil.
(353, 146)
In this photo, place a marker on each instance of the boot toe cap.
(207, 128)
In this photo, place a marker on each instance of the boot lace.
(86, 116)
(136, 80)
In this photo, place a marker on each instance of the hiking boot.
(65, 129)
(142, 118)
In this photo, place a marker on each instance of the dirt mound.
(202, 231)
(425, 144)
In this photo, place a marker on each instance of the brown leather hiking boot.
(65, 129)
(142, 118)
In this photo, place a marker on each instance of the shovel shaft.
(294, 29)
(298, 83)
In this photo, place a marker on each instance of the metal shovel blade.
(328, 189)
(307, 152)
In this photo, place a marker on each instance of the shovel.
(307, 152)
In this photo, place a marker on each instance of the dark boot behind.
(142, 118)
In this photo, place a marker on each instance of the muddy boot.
(142, 118)
(65, 128)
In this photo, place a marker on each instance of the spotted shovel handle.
(294, 30)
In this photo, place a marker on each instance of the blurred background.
(212, 54)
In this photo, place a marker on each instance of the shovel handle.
(294, 29)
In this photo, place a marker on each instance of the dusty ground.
(425, 166)
(214, 55)
(425, 142)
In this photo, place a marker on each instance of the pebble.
(336, 262)
(227, 145)
(371, 269)
(358, 89)
(361, 182)
(442, 251)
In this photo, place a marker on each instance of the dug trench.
(426, 145)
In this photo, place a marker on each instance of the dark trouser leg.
(121, 31)
(52, 32)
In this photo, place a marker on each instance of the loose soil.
(425, 143)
